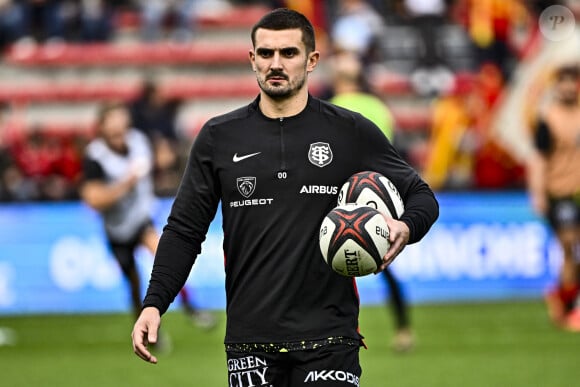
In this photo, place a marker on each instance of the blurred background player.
(351, 91)
(156, 14)
(358, 28)
(155, 114)
(117, 183)
(554, 185)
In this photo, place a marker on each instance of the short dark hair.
(287, 19)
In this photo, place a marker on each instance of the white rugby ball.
(354, 239)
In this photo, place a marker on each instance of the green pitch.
(500, 344)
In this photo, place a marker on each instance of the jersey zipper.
(282, 146)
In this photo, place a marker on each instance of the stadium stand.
(106, 54)
(56, 87)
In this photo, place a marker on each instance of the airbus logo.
(237, 158)
(319, 189)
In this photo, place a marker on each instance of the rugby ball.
(354, 239)
(375, 190)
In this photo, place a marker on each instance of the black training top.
(277, 179)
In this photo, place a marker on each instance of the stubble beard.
(282, 92)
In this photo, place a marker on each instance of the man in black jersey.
(276, 166)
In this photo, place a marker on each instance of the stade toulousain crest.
(246, 185)
(320, 154)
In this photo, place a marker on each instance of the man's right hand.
(145, 332)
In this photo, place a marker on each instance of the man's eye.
(288, 53)
(265, 53)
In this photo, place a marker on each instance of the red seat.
(104, 54)
(237, 17)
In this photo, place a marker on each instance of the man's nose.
(276, 61)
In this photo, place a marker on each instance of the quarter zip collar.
(255, 106)
(312, 103)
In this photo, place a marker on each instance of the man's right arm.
(191, 214)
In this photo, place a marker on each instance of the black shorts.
(564, 212)
(329, 365)
(124, 252)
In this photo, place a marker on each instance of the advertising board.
(485, 246)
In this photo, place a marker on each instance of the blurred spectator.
(156, 116)
(17, 187)
(494, 165)
(158, 16)
(54, 21)
(71, 158)
(96, 20)
(152, 113)
(36, 164)
(432, 73)
(428, 16)
(44, 20)
(351, 92)
(463, 151)
(358, 28)
(68, 166)
(4, 151)
(449, 160)
(317, 11)
(41, 160)
(6, 162)
(14, 185)
(35, 154)
(53, 185)
(12, 23)
(492, 27)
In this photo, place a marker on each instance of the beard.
(281, 91)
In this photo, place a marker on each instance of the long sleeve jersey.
(276, 180)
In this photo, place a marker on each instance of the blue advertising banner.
(484, 246)
(53, 258)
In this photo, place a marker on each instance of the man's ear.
(252, 56)
(312, 61)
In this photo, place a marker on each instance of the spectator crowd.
(460, 150)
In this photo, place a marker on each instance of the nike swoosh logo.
(240, 158)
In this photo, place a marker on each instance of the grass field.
(469, 345)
